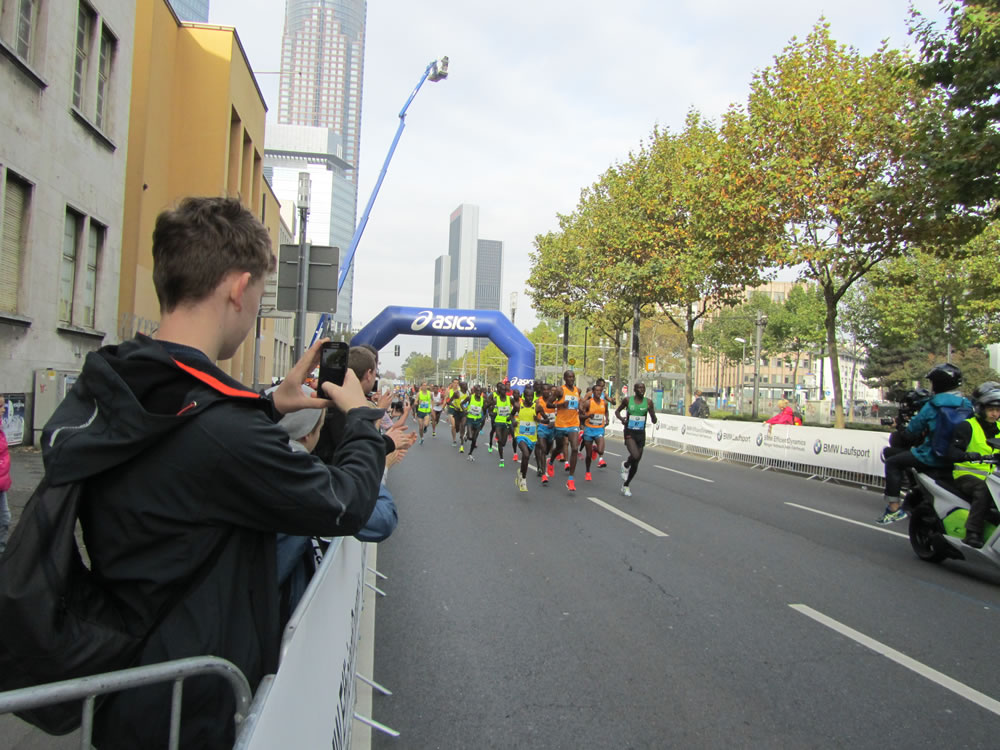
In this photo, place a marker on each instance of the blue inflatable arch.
(425, 321)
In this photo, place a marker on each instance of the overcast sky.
(541, 98)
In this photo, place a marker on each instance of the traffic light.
(395, 352)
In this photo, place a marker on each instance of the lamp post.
(743, 360)
(602, 367)
(305, 188)
(513, 305)
(436, 70)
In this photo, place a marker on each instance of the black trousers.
(977, 493)
(896, 461)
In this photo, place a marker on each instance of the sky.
(541, 98)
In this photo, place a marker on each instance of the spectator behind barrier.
(296, 561)
(188, 476)
(785, 415)
(5, 483)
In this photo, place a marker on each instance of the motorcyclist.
(968, 447)
(944, 380)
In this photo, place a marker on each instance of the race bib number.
(595, 420)
(637, 423)
(527, 429)
(503, 411)
(572, 402)
(475, 411)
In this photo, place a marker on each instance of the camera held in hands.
(333, 362)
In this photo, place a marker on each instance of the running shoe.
(626, 491)
(461, 448)
(889, 516)
(624, 472)
(433, 434)
(522, 483)
(453, 444)
(602, 464)
(540, 473)
(586, 477)
(471, 457)
(566, 467)
(501, 463)
(560, 457)
(421, 439)
(550, 469)
(571, 485)
(593, 456)
(489, 448)
(545, 479)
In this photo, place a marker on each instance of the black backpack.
(57, 622)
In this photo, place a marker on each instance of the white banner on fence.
(311, 701)
(825, 448)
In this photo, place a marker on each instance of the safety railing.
(88, 689)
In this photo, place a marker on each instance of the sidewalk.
(26, 472)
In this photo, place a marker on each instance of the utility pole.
(585, 330)
(305, 187)
(760, 323)
(565, 341)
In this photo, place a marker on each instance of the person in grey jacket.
(188, 478)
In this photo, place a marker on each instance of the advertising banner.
(857, 451)
(12, 418)
(311, 701)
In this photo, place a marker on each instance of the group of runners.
(553, 423)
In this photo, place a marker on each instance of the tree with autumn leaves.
(823, 170)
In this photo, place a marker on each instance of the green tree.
(418, 367)
(832, 130)
(961, 146)
(797, 326)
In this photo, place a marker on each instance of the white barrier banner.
(311, 702)
(843, 450)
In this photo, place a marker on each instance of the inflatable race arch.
(422, 321)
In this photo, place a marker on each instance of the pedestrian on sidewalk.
(4, 482)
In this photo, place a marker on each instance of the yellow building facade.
(196, 127)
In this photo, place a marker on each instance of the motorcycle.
(938, 514)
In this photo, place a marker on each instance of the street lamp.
(437, 70)
(602, 367)
(742, 363)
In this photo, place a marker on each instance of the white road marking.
(685, 474)
(960, 689)
(612, 453)
(849, 520)
(631, 519)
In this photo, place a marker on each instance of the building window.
(27, 18)
(93, 66)
(14, 219)
(104, 77)
(67, 267)
(85, 18)
(96, 235)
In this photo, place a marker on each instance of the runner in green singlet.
(639, 408)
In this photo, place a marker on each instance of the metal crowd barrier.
(88, 688)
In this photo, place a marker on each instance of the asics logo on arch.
(520, 382)
(443, 322)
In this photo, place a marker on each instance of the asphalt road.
(773, 613)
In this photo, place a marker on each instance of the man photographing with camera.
(188, 477)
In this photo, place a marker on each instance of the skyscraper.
(322, 69)
(191, 10)
(489, 277)
(468, 278)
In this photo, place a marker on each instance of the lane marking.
(848, 520)
(612, 453)
(685, 474)
(631, 519)
(959, 688)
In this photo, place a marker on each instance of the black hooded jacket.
(187, 480)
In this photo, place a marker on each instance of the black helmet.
(987, 397)
(982, 388)
(916, 398)
(944, 377)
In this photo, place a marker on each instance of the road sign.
(572, 361)
(651, 364)
(324, 264)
